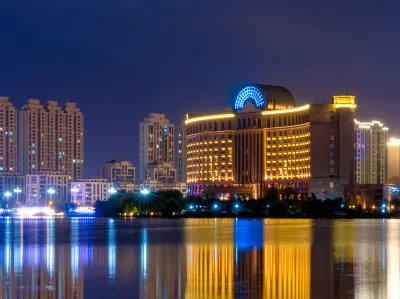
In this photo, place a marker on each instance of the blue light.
(249, 92)
(383, 211)
(383, 206)
(191, 207)
(215, 206)
(342, 205)
(236, 205)
(267, 206)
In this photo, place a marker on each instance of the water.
(199, 258)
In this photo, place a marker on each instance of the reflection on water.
(199, 258)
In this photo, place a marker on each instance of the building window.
(331, 170)
(331, 162)
(332, 137)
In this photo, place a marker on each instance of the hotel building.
(266, 141)
(51, 139)
(371, 150)
(8, 136)
(156, 142)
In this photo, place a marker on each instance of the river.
(199, 258)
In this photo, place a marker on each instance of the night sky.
(120, 60)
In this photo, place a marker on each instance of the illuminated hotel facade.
(267, 141)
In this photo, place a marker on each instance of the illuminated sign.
(249, 92)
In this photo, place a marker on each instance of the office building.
(8, 136)
(51, 139)
(266, 141)
(88, 191)
(119, 172)
(371, 159)
(43, 186)
(393, 157)
(156, 142)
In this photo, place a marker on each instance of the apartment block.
(8, 136)
(51, 138)
(157, 137)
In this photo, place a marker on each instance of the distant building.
(180, 153)
(51, 138)
(364, 194)
(129, 187)
(393, 157)
(156, 142)
(8, 136)
(154, 186)
(162, 172)
(371, 152)
(119, 172)
(392, 188)
(88, 191)
(266, 141)
(39, 185)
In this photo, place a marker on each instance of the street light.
(112, 191)
(7, 194)
(51, 191)
(17, 191)
(144, 191)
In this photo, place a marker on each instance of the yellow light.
(297, 109)
(209, 117)
(345, 106)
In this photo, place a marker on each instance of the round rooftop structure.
(266, 97)
(394, 180)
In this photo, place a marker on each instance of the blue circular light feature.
(249, 92)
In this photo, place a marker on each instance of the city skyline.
(323, 50)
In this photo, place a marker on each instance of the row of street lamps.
(74, 190)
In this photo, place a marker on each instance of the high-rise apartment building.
(371, 152)
(51, 138)
(393, 157)
(119, 172)
(156, 142)
(8, 136)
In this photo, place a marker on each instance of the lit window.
(331, 162)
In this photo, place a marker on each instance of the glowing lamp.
(144, 191)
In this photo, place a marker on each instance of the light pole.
(51, 191)
(144, 192)
(74, 190)
(7, 194)
(112, 191)
(17, 191)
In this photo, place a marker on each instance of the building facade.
(157, 138)
(39, 185)
(8, 136)
(266, 141)
(162, 172)
(393, 157)
(180, 149)
(119, 172)
(88, 191)
(51, 138)
(154, 186)
(371, 152)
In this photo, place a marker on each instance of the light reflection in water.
(199, 258)
(111, 249)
